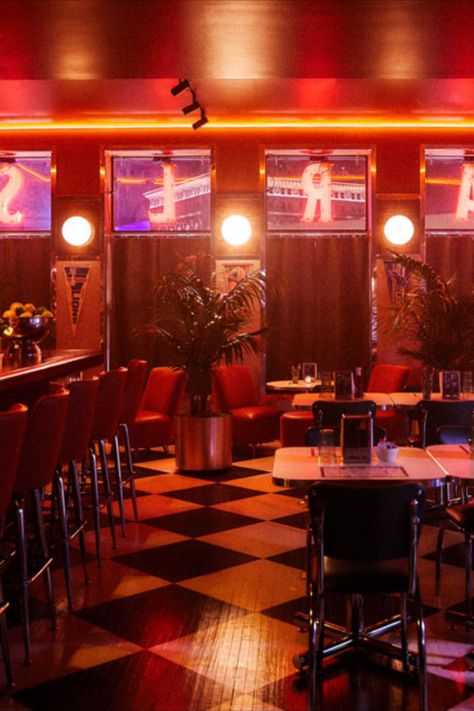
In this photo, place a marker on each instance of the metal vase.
(203, 443)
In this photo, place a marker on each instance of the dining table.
(456, 460)
(304, 401)
(303, 466)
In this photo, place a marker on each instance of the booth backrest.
(388, 378)
(235, 387)
(164, 390)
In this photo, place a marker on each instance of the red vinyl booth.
(390, 378)
(253, 421)
(153, 423)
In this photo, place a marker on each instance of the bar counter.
(25, 382)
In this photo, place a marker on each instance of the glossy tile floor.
(194, 611)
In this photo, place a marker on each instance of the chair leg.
(95, 504)
(468, 577)
(107, 489)
(79, 515)
(439, 553)
(48, 581)
(65, 536)
(130, 468)
(24, 581)
(4, 639)
(404, 630)
(421, 637)
(119, 481)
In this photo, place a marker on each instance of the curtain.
(136, 264)
(318, 304)
(452, 254)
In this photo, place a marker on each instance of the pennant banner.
(76, 279)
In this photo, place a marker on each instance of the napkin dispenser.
(356, 438)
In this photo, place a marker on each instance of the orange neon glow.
(8, 192)
(443, 181)
(349, 123)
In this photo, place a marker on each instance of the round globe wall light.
(236, 230)
(76, 231)
(399, 229)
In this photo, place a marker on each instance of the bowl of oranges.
(23, 326)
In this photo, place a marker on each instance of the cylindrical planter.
(203, 443)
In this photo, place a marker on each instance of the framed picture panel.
(449, 189)
(316, 190)
(168, 191)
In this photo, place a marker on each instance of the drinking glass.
(327, 449)
(295, 373)
(467, 383)
(326, 382)
(309, 372)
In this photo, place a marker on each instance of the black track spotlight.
(194, 106)
(181, 86)
(200, 122)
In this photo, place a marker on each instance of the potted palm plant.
(202, 328)
(434, 323)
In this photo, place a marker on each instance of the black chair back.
(433, 414)
(362, 521)
(328, 413)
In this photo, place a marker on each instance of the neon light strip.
(226, 125)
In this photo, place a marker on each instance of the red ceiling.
(248, 59)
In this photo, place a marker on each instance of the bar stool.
(38, 461)
(12, 430)
(108, 409)
(137, 374)
(75, 449)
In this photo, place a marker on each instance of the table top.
(288, 386)
(299, 466)
(305, 400)
(455, 459)
(382, 400)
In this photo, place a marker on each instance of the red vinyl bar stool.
(38, 461)
(75, 449)
(12, 430)
(108, 409)
(137, 375)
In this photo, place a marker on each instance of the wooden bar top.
(24, 381)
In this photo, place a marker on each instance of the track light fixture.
(200, 122)
(185, 85)
(194, 106)
(182, 85)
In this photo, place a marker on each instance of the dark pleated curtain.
(136, 264)
(25, 273)
(318, 306)
(452, 254)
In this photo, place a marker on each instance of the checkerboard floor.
(194, 610)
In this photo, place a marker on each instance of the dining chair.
(459, 517)
(390, 378)
(74, 452)
(328, 413)
(365, 537)
(36, 469)
(253, 420)
(433, 414)
(109, 402)
(12, 431)
(136, 379)
(151, 424)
